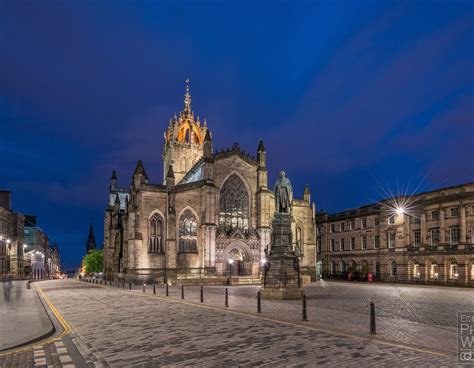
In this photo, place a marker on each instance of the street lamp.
(231, 261)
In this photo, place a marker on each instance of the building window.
(352, 224)
(453, 271)
(391, 240)
(416, 270)
(415, 219)
(333, 228)
(435, 215)
(341, 226)
(391, 220)
(318, 245)
(376, 221)
(454, 212)
(434, 237)
(363, 242)
(472, 271)
(188, 233)
(434, 271)
(156, 235)
(332, 245)
(363, 223)
(342, 267)
(333, 267)
(454, 235)
(416, 238)
(234, 205)
(376, 241)
(353, 243)
(341, 244)
(393, 269)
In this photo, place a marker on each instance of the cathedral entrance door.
(240, 260)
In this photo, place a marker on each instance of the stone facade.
(11, 239)
(211, 207)
(427, 238)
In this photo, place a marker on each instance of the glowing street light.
(264, 260)
(231, 261)
(400, 210)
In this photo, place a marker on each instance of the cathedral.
(209, 221)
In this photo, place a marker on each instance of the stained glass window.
(188, 233)
(234, 205)
(156, 235)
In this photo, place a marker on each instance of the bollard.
(167, 291)
(129, 286)
(118, 284)
(144, 285)
(305, 315)
(154, 289)
(226, 297)
(202, 294)
(123, 285)
(28, 284)
(182, 291)
(373, 330)
(259, 303)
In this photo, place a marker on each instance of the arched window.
(234, 205)
(342, 267)
(183, 164)
(434, 270)
(188, 233)
(156, 235)
(416, 270)
(393, 269)
(453, 270)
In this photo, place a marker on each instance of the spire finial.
(187, 98)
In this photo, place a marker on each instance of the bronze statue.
(283, 194)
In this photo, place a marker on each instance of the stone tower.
(90, 245)
(183, 141)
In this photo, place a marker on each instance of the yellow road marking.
(64, 324)
(292, 324)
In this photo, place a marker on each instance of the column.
(462, 225)
(423, 230)
(442, 230)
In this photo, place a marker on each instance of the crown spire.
(187, 99)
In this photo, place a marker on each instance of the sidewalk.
(23, 318)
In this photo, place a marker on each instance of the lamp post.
(231, 261)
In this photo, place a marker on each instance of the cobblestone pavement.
(119, 328)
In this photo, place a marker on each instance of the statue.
(283, 194)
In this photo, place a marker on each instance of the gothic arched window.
(188, 233)
(234, 205)
(156, 235)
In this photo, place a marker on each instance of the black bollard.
(182, 291)
(167, 291)
(144, 288)
(28, 284)
(226, 297)
(202, 294)
(305, 315)
(373, 330)
(259, 303)
(123, 285)
(129, 286)
(154, 289)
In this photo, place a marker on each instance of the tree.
(94, 261)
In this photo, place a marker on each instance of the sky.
(354, 98)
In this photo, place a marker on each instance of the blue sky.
(349, 96)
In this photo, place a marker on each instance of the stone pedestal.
(281, 277)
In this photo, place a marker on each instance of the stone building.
(211, 208)
(36, 249)
(427, 238)
(11, 239)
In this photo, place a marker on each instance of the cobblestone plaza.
(113, 326)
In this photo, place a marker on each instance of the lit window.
(416, 270)
(188, 233)
(376, 241)
(391, 240)
(353, 243)
(363, 223)
(416, 238)
(435, 215)
(156, 235)
(454, 212)
(434, 237)
(453, 271)
(454, 235)
(472, 271)
(233, 205)
(363, 242)
(318, 244)
(434, 271)
(393, 269)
